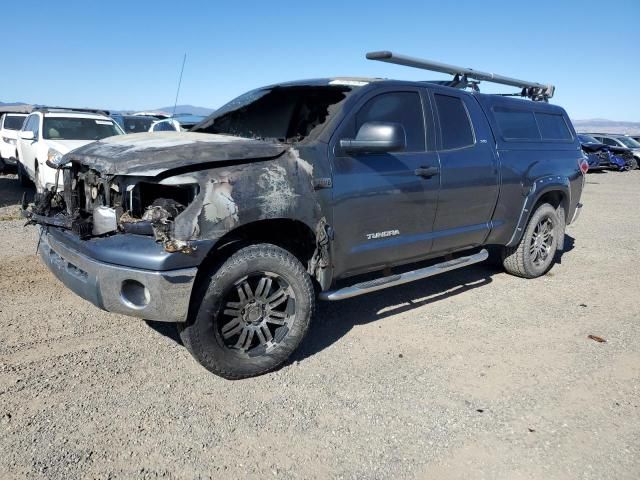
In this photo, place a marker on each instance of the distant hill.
(190, 109)
(601, 125)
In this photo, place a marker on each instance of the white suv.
(47, 134)
(10, 123)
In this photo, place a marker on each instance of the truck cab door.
(468, 173)
(383, 209)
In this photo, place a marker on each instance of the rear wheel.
(255, 310)
(534, 255)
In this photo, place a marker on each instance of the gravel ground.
(473, 374)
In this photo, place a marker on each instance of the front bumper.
(8, 153)
(152, 295)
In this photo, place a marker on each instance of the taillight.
(584, 165)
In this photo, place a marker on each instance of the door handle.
(427, 172)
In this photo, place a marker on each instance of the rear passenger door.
(383, 209)
(468, 172)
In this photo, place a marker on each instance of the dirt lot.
(474, 374)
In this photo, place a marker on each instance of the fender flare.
(540, 187)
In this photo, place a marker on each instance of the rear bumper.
(152, 295)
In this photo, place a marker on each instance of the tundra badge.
(388, 233)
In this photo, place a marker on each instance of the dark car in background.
(621, 145)
(134, 123)
(138, 123)
(621, 141)
(597, 153)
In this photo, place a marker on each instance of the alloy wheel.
(257, 314)
(542, 242)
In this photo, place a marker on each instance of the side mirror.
(377, 137)
(27, 135)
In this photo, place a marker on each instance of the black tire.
(36, 179)
(632, 163)
(562, 226)
(279, 304)
(23, 178)
(535, 254)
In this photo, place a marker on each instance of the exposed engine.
(92, 205)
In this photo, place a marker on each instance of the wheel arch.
(554, 190)
(295, 236)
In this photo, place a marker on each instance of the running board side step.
(399, 279)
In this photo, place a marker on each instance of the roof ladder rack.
(467, 77)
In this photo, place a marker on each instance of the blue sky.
(127, 54)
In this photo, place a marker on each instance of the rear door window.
(455, 126)
(404, 108)
(553, 126)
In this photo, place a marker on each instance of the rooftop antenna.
(175, 104)
(466, 77)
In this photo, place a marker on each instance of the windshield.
(286, 114)
(13, 122)
(587, 139)
(137, 124)
(629, 142)
(75, 128)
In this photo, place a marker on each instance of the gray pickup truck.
(327, 189)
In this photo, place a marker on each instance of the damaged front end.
(186, 194)
(92, 204)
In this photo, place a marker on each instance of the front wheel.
(255, 310)
(37, 181)
(534, 255)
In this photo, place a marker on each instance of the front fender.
(539, 188)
